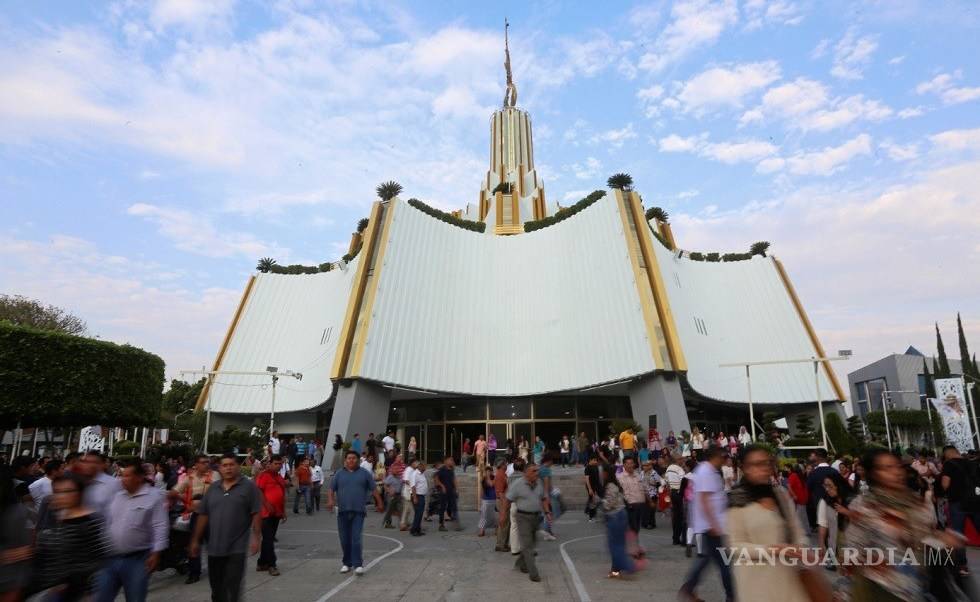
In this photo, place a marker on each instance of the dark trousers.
(419, 510)
(677, 519)
(316, 488)
(591, 506)
(711, 554)
(270, 525)
(565, 457)
(650, 514)
(634, 516)
(225, 574)
(194, 564)
(350, 526)
(394, 507)
(448, 507)
(304, 491)
(957, 522)
(527, 529)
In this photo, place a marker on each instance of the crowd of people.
(83, 526)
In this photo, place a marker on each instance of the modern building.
(895, 372)
(445, 326)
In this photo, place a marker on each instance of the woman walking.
(488, 501)
(761, 520)
(800, 495)
(338, 459)
(614, 505)
(538, 449)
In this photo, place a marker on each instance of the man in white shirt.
(420, 488)
(388, 442)
(41, 488)
(100, 488)
(708, 523)
(408, 481)
(274, 443)
(674, 475)
(366, 465)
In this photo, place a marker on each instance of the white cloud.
(738, 152)
(197, 234)
(956, 140)
(648, 97)
(806, 104)
(829, 159)
(771, 12)
(852, 54)
(723, 86)
(942, 86)
(787, 100)
(678, 144)
(820, 50)
(900, 152)
(587, 170)
(844, 112)
(771, 165)
(615, 138)
(191, 14)
(896, 60)
(694, 24)
(910, 112)
(688, 194)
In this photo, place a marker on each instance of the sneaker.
(274, 571)
(549, 536)
(359, 570)
(591, 520)
(345, 569)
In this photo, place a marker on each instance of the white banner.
(950, 404)
(91, 438)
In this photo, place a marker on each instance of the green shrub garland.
(564, 213)
(449, 218)
(55, 379)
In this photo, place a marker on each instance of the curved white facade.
(291, 321)
(552, 310)
(740, 311)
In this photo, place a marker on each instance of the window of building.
(466, 409)
(604, 407)
(555, 407)
(875, 389)
(423, 411)
(510, 409)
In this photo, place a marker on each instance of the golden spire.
(510, 94)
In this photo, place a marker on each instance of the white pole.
(272, 414)
(143, 444)
(969, 398)
(816, 378)
(748, 381)
(884, 406)
(932, 440)
(34, 443)
(18, 433)
(207, 416)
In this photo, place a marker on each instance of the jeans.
(225, 574)
(527, 528)
(677, 520)
(634, 516)
(448, 507)
(194, 564)
(616, 524)
(303, 490)
(957, 522)
(419, 511)
(350, 525)
(712, 553)
(315, 494)
(564, 458)
(394, 507)
(270, 525)
(127, 572)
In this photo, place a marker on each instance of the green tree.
(943, 371)
(804, 427)
(265, 264)
(623, 181)
(182, 396)
(964, 350)
(388, 190)
(658, 214)
(838, 435)
(930, 383)
(759, 248)
(855, 427)
(769, 430)
(22, 311)
(362, 224)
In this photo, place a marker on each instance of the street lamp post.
(841, 355)
(885, 398)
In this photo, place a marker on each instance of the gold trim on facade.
(355, 243)
(224, 345)
(374, 277)
(674, 349)
(668, 234)
(817, 346)
(642, 283)
(346, 338)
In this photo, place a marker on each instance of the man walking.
(41, 488)
(191, 490)
(419, 488)
(273, 489)
(635, 492)
(274, 444)
(480, 449)
(961, 482)
(445, 481)
(626, 442)
(408, 483)
(350, 490)
(304, 480)
(389, 442)
(230, 512)
(674, 475)
(100, 488)
(708, 522)
(393, 495)
(139, 531)
(503, 523)
(529, 498)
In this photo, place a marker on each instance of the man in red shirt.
(304, 486)
(273, 489)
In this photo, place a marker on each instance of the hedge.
(448, 217)
(564, 213)
(55, 379)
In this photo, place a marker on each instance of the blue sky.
(151, 152)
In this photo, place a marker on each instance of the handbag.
(181, 523)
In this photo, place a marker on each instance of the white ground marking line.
(340, 586)
(583, 595)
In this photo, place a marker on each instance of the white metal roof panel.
(551, 310)
(290, 321)
(739, 311)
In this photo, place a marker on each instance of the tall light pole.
(843, 354)
(885, 397)
(969, 399)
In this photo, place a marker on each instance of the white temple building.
(442, 332)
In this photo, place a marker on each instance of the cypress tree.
(935, 366)
(964, 350)
(930, 385)
(943, 371)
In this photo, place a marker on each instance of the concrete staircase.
(568, 480)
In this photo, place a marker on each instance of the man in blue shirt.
(355, 445)
(350, 490)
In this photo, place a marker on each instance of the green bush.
(736, 256)
(838, 436)
(55, 379)
(714, 257)
(448, 217)
(801, 441)
(564, 213)
(124, 448)
(695, 256)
